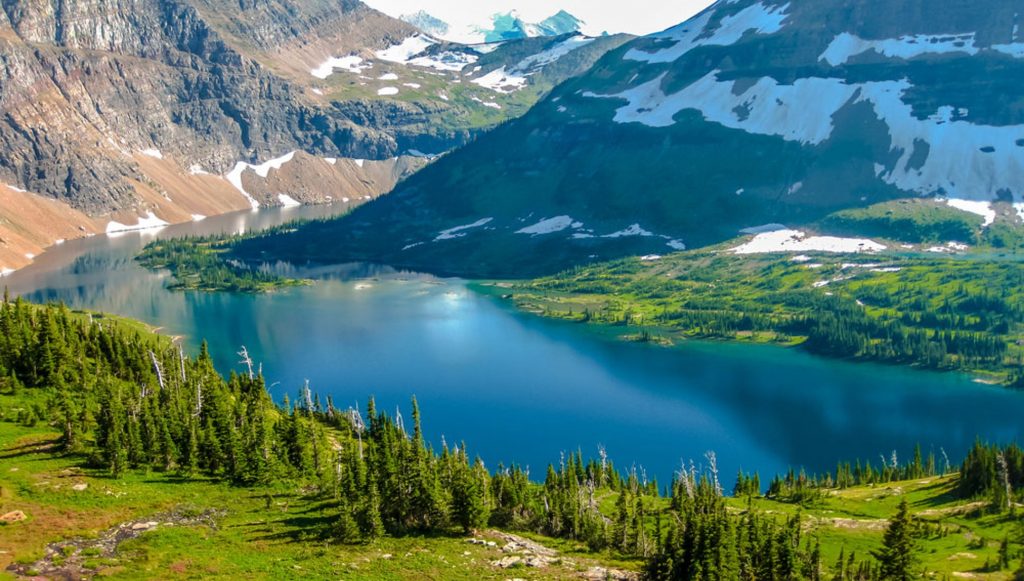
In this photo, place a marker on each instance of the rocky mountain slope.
(136, 113)
(753, 112)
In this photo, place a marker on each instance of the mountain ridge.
(748, 114)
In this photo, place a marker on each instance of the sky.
(631, 16)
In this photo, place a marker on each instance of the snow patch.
(6, 271)
(388, 77)
(797, 241)
(404, 51)
(387, 91)
(154, 153)
(288, 201)
(412, 85)
(756, 18)
(846, 46)
(15, 189)
(145, 223)
(634, 230)
(235, 175)
(449, 61)
(1016, 49)
(198, 217)
(352, 64)
(501, 82)
(460, 231)
(490, 104)
(965, 160)
(514, 78)
(548, 226)
(983, 209)
(197, 170)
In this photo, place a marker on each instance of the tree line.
(129, 400)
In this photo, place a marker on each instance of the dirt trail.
(69, 559)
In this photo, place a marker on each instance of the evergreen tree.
(896, 558)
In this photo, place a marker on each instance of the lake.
(520, 389)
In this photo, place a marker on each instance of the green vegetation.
(914, 221)
(202, 264)
(939, 313)
(108, 428)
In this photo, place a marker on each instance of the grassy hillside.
(210, 529)
(934, 311)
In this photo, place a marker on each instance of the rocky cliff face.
(90, 84)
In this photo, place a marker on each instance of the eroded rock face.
(88, 84)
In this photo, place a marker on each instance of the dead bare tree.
(358, 426)
(307, 396)
(713, 469)
(1004, 477)
(945, 460)
(157, 369)
(244, 354)
(604, 462)
(399, 422)
(199, 400)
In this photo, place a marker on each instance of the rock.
(507, 562)
(80, 487)
(13, 516)
(386, 556)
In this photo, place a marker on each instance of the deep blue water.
(521, 389)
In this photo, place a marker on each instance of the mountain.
(511, 26)
(427, 23)
(139, 113)
(751, 113)
(500, 27)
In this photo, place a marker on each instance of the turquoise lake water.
(520, 389)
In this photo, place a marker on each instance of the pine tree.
(896, 558)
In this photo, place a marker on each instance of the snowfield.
(407, 49)
(234, 176)
(756, 18)
(797, 241)
(352, 64)
(965, 160)
(288, 201)
(983, 209)
(550, 226)
(846, 46)
(501, 82)
(460, 231)
(149, 221)
(634, 230)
